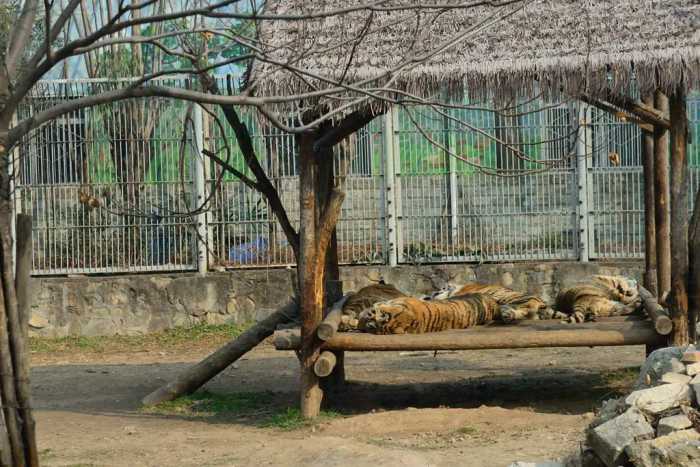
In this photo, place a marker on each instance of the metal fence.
(123, 187)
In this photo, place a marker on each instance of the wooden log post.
(694, 269)
(662, 210)
(329, 325)
(656, 313)
(311, 293)
(325, 364)
(650, 279)
(197, 375)
(678, 297)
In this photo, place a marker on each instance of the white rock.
(692, 369)
(675, 378)
(674, 423)
(610, 439)
(655, 453)
(660, 398)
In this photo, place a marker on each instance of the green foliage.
(205, 403)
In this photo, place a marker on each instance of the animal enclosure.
(444, 209)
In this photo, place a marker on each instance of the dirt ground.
(475, 408)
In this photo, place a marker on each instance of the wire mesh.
(110, 188)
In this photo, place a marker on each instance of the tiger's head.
(388, 317)
(625, 288)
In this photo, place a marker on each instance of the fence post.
(583, 152)
(15, 196)
(451, 146)
(200, 192)
(391, 198)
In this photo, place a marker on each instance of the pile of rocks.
(658, 424)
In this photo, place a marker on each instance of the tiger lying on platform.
(409, 315)
(516, 305)
(363, 300)
(604, 296)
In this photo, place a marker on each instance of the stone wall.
(135, 304)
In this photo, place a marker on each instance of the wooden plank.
(533, 335)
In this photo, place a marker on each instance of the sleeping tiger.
(515, 305)
(604, 296)
(363, 300)
(409, 315)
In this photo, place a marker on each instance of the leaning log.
(606, 332)
(197, 375)
(656, 313)
(329, 325)
(325, 363)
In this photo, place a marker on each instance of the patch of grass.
(467, 430)
(291, 419)
(204, 403)
(620, 379)
(170, 339)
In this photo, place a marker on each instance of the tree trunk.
(310, 279)
(661, 208)
(678, 298)
(650, 277)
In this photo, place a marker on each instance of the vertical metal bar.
(582, 152)
(392, 197)
(199, 184)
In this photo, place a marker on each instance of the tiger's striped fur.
(409, 315)
(603, 296)
(515, 305)
(363, 300)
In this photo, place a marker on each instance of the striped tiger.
(515, 305)
(409, 315)
(603, 296)
(363, 300)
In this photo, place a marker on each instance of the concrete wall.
(135, 304)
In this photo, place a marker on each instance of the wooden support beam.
(325, 364)
(622, 114)
(329, 326)
(662, 322)
(197, 375)
(650, 281)
(662, 207)
(606, 332)
(311, 294)
(644, 112)
(678, 298)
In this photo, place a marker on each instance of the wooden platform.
(524, 334)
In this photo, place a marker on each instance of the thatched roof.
(545, 45)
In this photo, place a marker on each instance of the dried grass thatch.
(548, 46)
